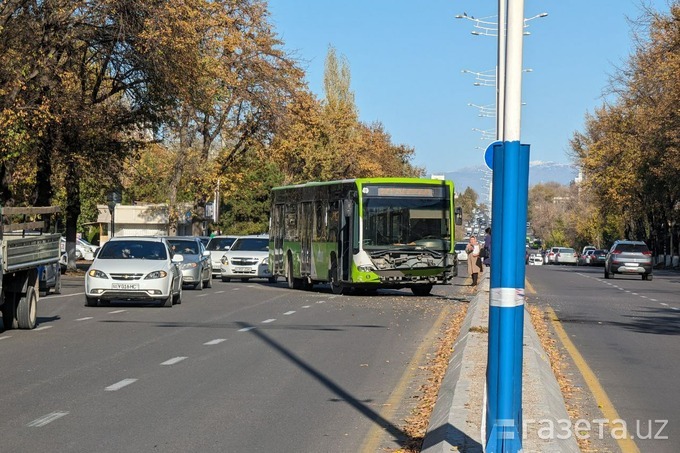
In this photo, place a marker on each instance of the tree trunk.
(72, 211)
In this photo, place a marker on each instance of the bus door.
(306, 229)
(345, 238)
(278, 231)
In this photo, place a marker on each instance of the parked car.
(134, 268)
(459, 248)
(586, 248)
(196, 267)
(217, 246)
(550, 255)
(566, 255)
(628, 257)
(536, 259)
(598, 257)
(584, 259)
(247, 258)
(84, 250)
(49, 278)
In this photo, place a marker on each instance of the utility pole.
(509, 213)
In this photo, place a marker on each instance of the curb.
(456, 421)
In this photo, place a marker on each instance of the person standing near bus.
(474, 262)
(487, 246)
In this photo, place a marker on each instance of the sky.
(407, 59)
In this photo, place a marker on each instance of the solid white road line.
(42, 421)
(120, 385)
(173, 361)
(42, 328)
(267, 321)
(85, 318)
(215, 341)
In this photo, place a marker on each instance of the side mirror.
(177, 258)
(206, 252)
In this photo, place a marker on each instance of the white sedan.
(134, 268)
(247, 258)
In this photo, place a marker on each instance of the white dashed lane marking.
(202, 295)
(306, 306)
(246, 329)
(267, 321)
(85, 318)
(289, 313)
(173, 361)
(42, 328)
(42, 421)
(5, 337)
(219, 292)
(119, 385)
(117, 311)
(215, 341)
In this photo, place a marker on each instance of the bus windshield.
(393, 222)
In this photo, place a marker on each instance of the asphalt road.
(239, 367)
(628, 331)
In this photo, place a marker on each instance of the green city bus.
(364, 233)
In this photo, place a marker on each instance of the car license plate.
(241, 269)
(631, 264)
(125, 285)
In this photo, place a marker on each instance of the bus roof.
(362, 181)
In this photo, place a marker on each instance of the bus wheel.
(421, 290)
(289, 274)
(335, 284)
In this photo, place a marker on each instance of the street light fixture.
(485, 27)
(486, 111)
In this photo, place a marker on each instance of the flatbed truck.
(24, 247)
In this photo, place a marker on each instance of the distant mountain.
(539, 172)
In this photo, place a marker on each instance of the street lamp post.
(113, 199)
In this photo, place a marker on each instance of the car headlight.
(265, 261)
(189, 265)
(224, 260)
(97, 274)
(156, 274)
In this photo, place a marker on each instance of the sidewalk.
(456, 421)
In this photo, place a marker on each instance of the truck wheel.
(27, 309)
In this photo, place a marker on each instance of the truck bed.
(19, 253)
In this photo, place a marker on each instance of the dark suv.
(629, 257)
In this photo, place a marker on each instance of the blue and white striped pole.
(509, 215)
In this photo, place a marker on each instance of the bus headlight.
(366, 268)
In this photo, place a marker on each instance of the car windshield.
(599, 252)
(220, 243)
(632, 248)
(567, 251)
(145, 250)
(251, 244)
(183, 247)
